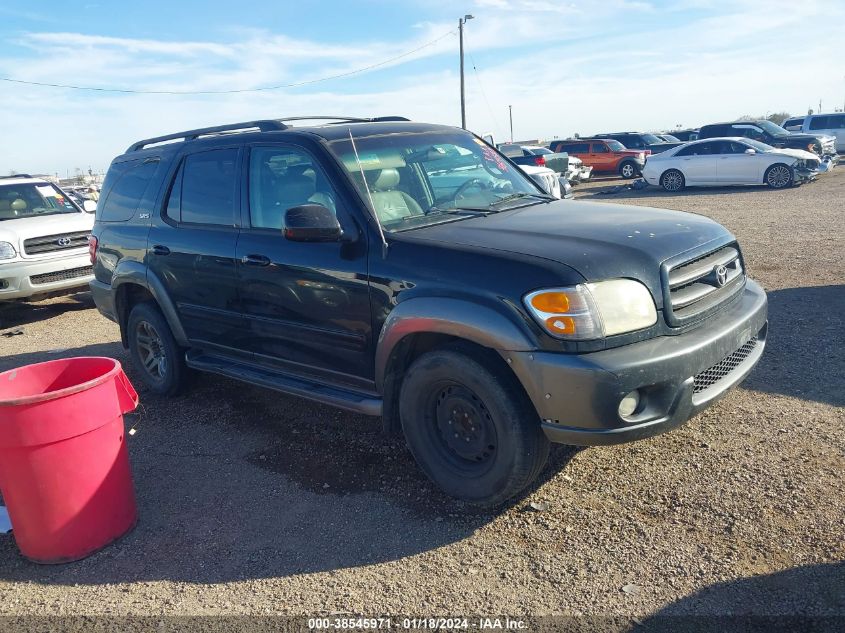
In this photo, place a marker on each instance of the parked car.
(552, 182)
(729, 161)
(771, 134)
(482, 317)
(536, 155)
(578, 172)
(685, 135)
(827, 124)
(638, 141)
(604, 155)
(669, 138)
(43, 240)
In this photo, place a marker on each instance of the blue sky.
(564, 66)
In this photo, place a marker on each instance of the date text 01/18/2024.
(412, 624)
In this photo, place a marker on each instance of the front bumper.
(23, 279)
(577, 395)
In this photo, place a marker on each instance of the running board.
(367, 404)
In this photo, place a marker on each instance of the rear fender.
(132, 272)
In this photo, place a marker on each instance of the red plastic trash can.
(64, 468)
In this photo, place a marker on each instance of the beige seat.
(390, 203)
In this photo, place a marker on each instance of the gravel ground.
(255, 503)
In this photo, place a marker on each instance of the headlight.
(594, 310)
(7, 251)
(641, 156)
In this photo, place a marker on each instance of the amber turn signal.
(551, 302)
(561, 324)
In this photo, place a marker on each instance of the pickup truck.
(536, 155)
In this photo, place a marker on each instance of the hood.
(797, 153)
(17, 230)
(598, 240)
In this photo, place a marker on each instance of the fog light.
(629, 404)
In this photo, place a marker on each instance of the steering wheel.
(469, 184)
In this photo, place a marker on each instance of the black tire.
(627, 169)
(155, 354)
(672, 180)
(498, 447)
(779, 176)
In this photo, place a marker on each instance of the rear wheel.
(779, 176)
(627, 169)
(154, 351)
(672, 180)
(470, 428)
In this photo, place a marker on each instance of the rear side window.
(203, 191)
(837, 121)
(575, 148)
(129, 181)
(793, 123)
(820, 123)
(599, 148)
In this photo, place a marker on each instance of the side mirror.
(750, 151)
(311, 223)
(89, 206)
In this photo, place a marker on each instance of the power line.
(234, 91)
(484, 94)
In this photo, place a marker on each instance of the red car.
(604, 155)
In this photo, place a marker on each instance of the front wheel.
(779, 176)
(154, 351)
(470, 427)
(672, 180)
(627, 170)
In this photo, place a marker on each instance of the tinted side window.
(125, 194)
(599, 148)
(281, 178)
(837, 121)
(820, 123)
(575, 148)
(208, 182)
(633, 142)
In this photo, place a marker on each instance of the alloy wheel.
(672, 181)
(151, 350)
(627, 170)
(779, 176)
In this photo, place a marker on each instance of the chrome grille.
(61, 275)
(723, 368)
(705, 282)
(50, 243)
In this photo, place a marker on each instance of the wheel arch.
(419, 325)
(133, 283)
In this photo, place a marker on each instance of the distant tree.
(779, 117)
(576, 135)
(747, 117)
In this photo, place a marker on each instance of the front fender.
(454, 317)
(128, 271)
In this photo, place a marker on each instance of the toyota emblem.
(63, 241)
(721, 275)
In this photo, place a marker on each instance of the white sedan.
(715, 162)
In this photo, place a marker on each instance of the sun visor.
(383, 159)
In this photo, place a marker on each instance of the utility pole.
(510, 114)
(461, 22)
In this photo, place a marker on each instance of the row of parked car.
(733, 153)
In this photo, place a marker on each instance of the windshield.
(760, 147)
(615, 146)
(419, 179)
(651, 139)
(28, 200)
(772, 128)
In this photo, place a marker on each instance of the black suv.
(771, 134)
(639, 140)
(411, 271)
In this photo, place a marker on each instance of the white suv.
(43, 239)
(830, 124)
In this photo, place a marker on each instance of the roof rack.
(16, 176)
(265, 125)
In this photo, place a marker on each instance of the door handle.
(255, 260)
(158, 249)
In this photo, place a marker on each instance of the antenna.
(369, 196)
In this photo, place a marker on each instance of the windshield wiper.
(516, 196)
(435, 210)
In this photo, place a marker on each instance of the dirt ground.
(256, 503)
